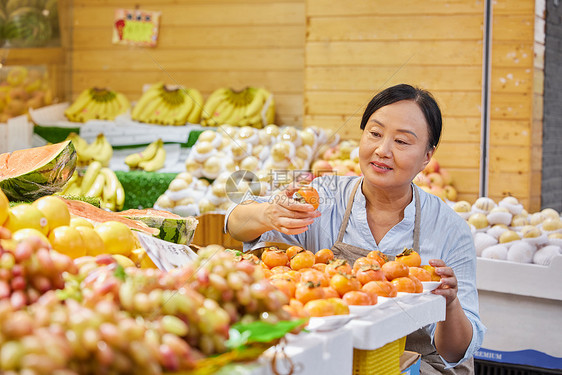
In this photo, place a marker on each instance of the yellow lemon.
(141, 258)
(117, 237)
(26, 216)
(92, 241)
(55, 210)
(22, 234)
(67, 240)
(77, 221)
(123, 261)
(4, 207)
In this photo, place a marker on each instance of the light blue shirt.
(443, 235)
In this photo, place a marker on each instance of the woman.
(385, 211)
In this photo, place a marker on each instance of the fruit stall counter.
(520, 305)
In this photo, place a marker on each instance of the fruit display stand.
(520, 305)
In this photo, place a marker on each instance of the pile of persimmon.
(319, 285)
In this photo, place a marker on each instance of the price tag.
(164, 254)
(135, 27)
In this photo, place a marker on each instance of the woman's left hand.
(449, 285)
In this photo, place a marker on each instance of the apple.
(421, 180)
(438, 191)
(435, 179)
(447, 178)
(432, 166)
(331, 154)
(450, 192)
(321, 167)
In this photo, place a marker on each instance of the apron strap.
(348, 211)
(417, 221)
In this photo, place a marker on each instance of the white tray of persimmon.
(331, 292)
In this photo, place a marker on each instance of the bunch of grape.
(238, 285)
(150, 294)
(29, 270)
(64, 338)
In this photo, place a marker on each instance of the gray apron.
(418, 341)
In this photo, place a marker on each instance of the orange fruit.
(117, 237)
(68, 241)
(4, 207)
(319, 307)
(356, 297)
(340, 307)
(420, 273)
(55, 210)
(409, 257)
(393, 270)
(92, 241)
(404, 284)
(80, 222)
(26, 216)
(324, 256)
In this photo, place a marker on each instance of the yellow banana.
(149, 97)
(222, 113)
(195, 114)
(105, 150)
(119, 197)
(166, 114)
(76, 107)
(133, 160)
(155, 163)
(89, 177)
(146, 114)
(111, 182)
(256, 105)
(270, 112)
(97, 187)
(73, 180)
(213, 101)
(73, 190)
(123, 103)
(183, 111)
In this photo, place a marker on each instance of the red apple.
(321, 167)
(435, 179)
(450, 192)
(447, 178)
(421, 179)
(438, 191)
(432, 166)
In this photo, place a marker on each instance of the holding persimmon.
(307, 195)
(383, 211)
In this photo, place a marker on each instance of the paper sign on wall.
(136, 27)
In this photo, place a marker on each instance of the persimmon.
(304, 259)
(295, 275)
(338, 266)
(356, 297)
(293, 250)
(324, 256)
(330, 292)
(341, 308)
(316, 277)
(267, 273)
(274, 257)
(307, 195)
(286, 285)
(320, 266)
(308, 291)
(420, 273)
(378, 256)
(431, 270)
(319, 307)
(409, 257)
(380, 288)
(417, 284)
(252, 258)
(364, 261)
(344, 283)
(280, 269)
(404, 284)
(370, 273)
(393, 270)
(296, 308)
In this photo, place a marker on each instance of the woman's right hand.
(288, 216)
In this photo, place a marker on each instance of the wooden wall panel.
(516, 103)
(202, 44)
(354, 49)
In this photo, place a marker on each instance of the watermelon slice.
(26, 175)
(97, 215)
(173, 228)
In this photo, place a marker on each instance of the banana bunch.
(250, 107)
(96, 103)
(168, 105)
(97, 182)
(151, 159)
(99, 150)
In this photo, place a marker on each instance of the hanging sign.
(136, 27)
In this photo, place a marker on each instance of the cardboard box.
(410, 363)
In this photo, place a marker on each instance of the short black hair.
(422, 98)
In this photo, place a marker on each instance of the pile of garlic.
(506, 231)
